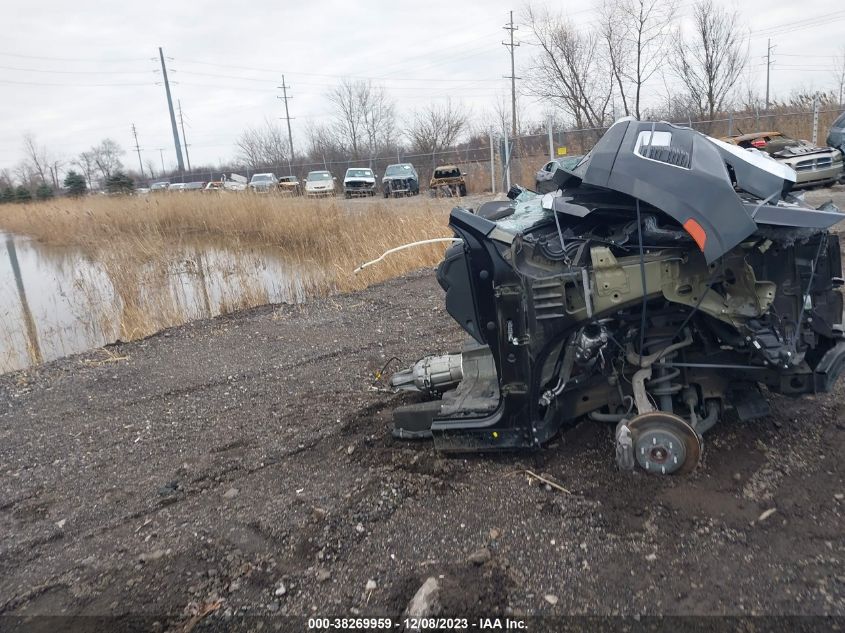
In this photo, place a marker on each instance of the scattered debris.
(546, 481)
(550, 598)
(202, 611)
(426, 602)
(280, 589)
(231, 493)
(480, 556)
(766, 514)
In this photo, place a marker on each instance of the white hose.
(404, 246)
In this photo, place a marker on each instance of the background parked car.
(359, 181)
(836, 137)
(263, 183)
(400, 179)
(319, 183)
(177, 186)
(160, 186)
(290, 185)
(448, 180)
(197, 185)
(813, 165)
(543, 180)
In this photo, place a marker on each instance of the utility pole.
(179, 161)
(769, 49)
(510, 27)
(184, 138)
(138, 149)
(284, 88)
(161, 154)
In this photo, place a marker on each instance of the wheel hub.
(664, 443)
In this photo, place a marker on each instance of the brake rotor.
(665, 444)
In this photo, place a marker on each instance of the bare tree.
(150, 167)
(264, 146)
(635, 34)
(6, 178)
(37, 156)
(710, 61)
(86, 163)
(106, 158)
(568, 69)
(436, 127)
(323, 144)
(364, 119)
(839, 74)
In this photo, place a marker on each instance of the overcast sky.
(73, 73)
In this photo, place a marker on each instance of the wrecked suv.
(448, 181)
(813, 165)
(668, 280)
(400, 180)
(359, 181)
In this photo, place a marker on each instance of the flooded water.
(56, 301)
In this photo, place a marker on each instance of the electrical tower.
(512, 46)
(184, 138)
(284, 88)
(769, 50)
(180, 163)
(138, 149)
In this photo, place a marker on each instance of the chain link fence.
(489, 165)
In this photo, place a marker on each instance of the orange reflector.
(694, 229)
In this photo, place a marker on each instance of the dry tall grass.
(332, 234)
(140, 241)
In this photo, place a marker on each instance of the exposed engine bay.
(657, 286)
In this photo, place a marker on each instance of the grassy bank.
(330, 234)
(143, 243)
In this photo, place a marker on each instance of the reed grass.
(142, 242)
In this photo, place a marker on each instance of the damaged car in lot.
(359, 181)
(400, 180)
(669, 279)
(814, 166)
(448, 181)
(836, 136)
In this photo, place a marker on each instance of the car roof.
(368, 168)
(439, 167)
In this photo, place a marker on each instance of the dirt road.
(248, 459)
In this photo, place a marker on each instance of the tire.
(462, 190)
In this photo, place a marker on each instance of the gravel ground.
(246, 462)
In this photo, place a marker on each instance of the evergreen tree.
(7, 195)
(43, 191)
(119, 183)
(22, 194)
(75, 184)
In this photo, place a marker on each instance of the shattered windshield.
(528, 211)
(359, 173)
(399, 170)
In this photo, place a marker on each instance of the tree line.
(633, 59)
